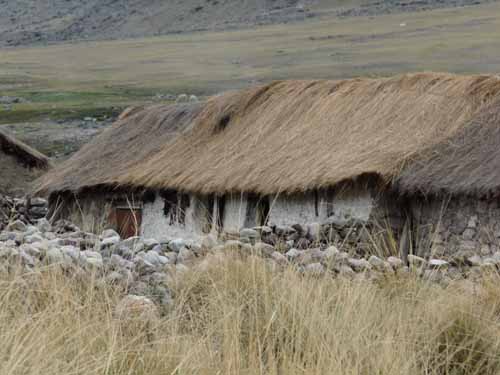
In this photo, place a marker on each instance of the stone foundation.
(446, 227)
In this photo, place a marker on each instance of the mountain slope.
(39, 21)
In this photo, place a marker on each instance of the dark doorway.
(128, 221)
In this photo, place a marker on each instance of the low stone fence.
(145, 267)
(27, 210)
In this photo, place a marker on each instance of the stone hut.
(20, 165)
(413, 156)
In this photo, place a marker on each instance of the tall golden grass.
(238, 316)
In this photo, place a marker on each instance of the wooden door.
(128, 221)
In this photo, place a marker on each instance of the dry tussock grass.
(236, 316)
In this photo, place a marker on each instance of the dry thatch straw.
(466, 163)
(286, 136)
(19, 164)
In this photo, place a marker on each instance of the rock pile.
(145, 267)
(25, 210)
(345, 234)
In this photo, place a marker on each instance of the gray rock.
(331, 252)
(469, 234)
(49, 235)
(158, 249)
(31, 229)
(163, 260)
(109, 241)
(142, 266)
(264, 249)
(249, 233)
(293, 253)
(475, 260)
(177, 244)
(193, 99)
(496, 256)
(340, 220)
(27, 259)
(283, 231)
(7, 236)
(31, 250)
(116, 262)
(109, 233)
(438, 263)
(43, 225)
(17, 226)
(94, 263)
(153, 258)
(279, 258)
(395, 262)
(359, 265)
(150, 244)
(54, 255)
(32, 238)
(485, 250)
(69, 242)
(38, 202)
(376, 262)
(263, 230)
(133, 243)
(91, 260)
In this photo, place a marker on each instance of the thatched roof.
(291, 136)
(25, 154)
(466, 163)
(20, 165)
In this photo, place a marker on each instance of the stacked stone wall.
(457, 226)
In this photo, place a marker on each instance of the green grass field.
(99, 78)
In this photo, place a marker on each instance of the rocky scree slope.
(40, 21)
(31, 21)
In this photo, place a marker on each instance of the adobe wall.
(447, 227)
(235, 213)
(91, 212)
(294, 209)
(157, 225)
(355, 204)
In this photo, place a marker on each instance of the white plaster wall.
(235, 212)
(156, 225)
(356, 204)
(293, 209)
